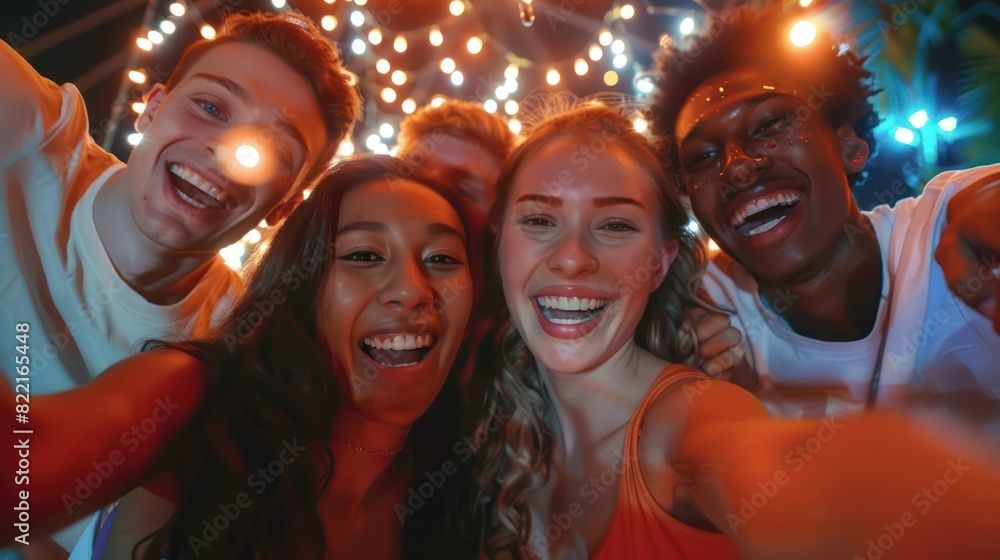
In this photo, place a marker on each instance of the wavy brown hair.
(270, 385)
(514, 459)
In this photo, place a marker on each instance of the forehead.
(724, 94)
(454, 152)
(397, 203)
(275, 90)
(581, 167)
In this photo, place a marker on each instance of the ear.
(853, 150)
(154, 99)
(668, 252)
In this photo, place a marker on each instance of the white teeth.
(190, 200)
(766, 227)
(758, 205)
(204, 185)
(570, 303)
(400, 342)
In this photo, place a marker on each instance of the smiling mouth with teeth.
(570, 310)
(197, 190)
(763, 213)
(398, 350)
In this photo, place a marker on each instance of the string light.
(640, 125)
(177, 9)
(475, 45)
(399, 44)
(144, 43)
(687, 26)
(447, 65)
(386, 130)
(137, 76)
(511, 86)
(329, 1)
(357, 18)
(618, 46)
(803, 34)
(436, 38)
(375, 36)
(329, 23)
(510, 107)
(360, 2)
(167, 26)
(372, 141)
(645, 84)
(155, 37)
(346, 147)
(358, 46)
(134, 138)
(490, 105)
(620, 61)
(596, 53)
(510, 72)
(457, 7)
(437, 101)
(627, 11)
(514, 125)
(279, 3)
(408, 105)
(611, 78)
(208, 32)
(501, 93)
(388, 95)
(552, 76)
(247, 156)
(399, 77)
(383, 66)
(605, 38)
(580, 66)
(457, 78)
(139, 107)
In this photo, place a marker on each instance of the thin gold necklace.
(359, 448)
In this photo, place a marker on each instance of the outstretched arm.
(835, 488)
(29, 105)
(90, 445)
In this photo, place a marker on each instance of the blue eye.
(211, 108)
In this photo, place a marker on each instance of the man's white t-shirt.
(55, 275)
(935, 344)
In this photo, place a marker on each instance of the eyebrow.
(238, 90)
(598, 202)
(436, 228)
(755, 100)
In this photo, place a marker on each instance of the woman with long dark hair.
(287, 433)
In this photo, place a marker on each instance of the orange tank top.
(640, 528)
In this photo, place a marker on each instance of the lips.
(197, 189)
(761, 210)
(396, 350)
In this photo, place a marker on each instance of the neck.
(839, 301)
(592, 405)
(362, 450)
(159, 274)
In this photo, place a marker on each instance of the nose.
(741, 166)
(572, 257)
(407, 287)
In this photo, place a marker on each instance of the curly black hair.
(747, 37)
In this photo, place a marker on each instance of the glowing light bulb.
(447, 65)
(510, 72)
(627, 11)
(687, 26)
(279, 3)
(134, 138)
(919, 119)
(948, 124)
(144, 43)
(177, 9)
(436, 38)
(329, 23)
(437, 101)
(375, 36)
(137, 76)
(514, 125)
(619, 61)
(385, 130)
(490, 105)
(167, 26)
(552, 76)
(357, 18)
(408, 105)
(510, 107)
(802, 34)
(457, 7)
(139, 107)
(457, 78)
(605, 38)
(595, 53)
(904, 136)
(580, 66)
(399, 77)
(399, 44)
(208, 32)
(383, 66)
(618, 46)
(247, 156)
(611, 78)
(155, 37)
(640, 125)
(511, 85)
(359, 46)
(474, 45)
(388, 95)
